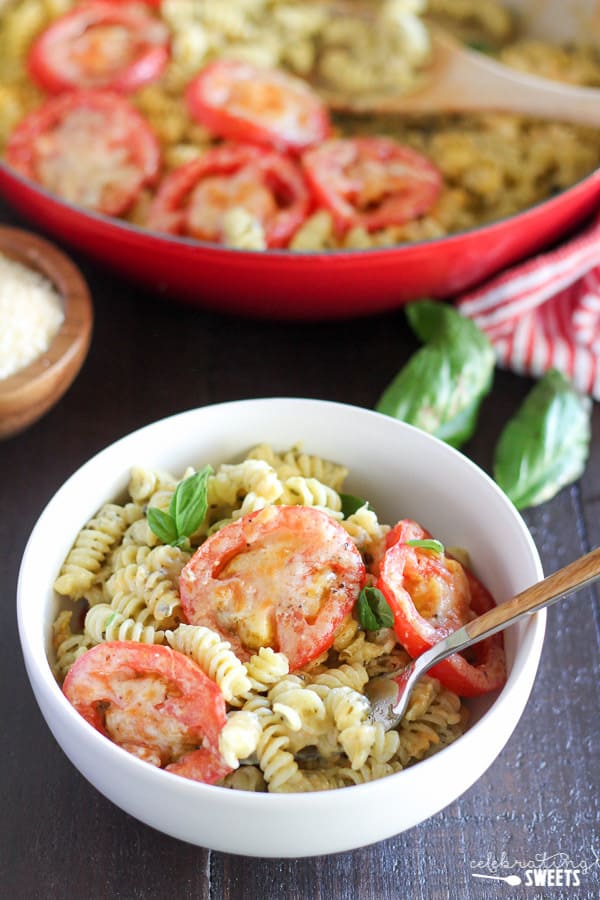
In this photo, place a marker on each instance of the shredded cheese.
(30, 315)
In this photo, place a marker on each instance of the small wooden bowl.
(33, 390)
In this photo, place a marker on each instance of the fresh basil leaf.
(162, 524)
(427, 544)
(441, 387)
(545, 445)
(373, 610)
(350, 504)
(190, 502)
(366, 615)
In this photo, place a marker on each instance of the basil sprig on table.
(441, 387)
(545, 445)
(186, 511)
(373, 610)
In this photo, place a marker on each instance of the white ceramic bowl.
(405, 473)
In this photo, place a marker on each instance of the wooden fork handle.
(571, 578)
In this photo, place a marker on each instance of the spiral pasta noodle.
(245, 778)
(300, 491)
(353, 676)
(213, 655)
(68, 646)
(364, 528)
(240, 736)
(103, 623)
(300, 708)
(265, 668)
(295, 462)
(276, 762)
(92, 546)
(153, 580)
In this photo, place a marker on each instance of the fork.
(389, 694)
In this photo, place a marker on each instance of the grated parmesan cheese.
(30, 315)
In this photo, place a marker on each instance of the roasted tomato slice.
(432, 595)
(153, 702)
(241, 102)
(371, 182)
(193, 199)
(283, 577)
(91, 148)
(100, 45)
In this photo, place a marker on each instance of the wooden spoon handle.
(462, 80)
(572, 577)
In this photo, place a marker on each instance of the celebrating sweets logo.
(542, 870)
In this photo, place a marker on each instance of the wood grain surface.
(61, 839)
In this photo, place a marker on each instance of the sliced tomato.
(204, 765)
(193, 199)
(432, 595)
(154, 702)
(91, 148)
(371, 182)
(100, 45)
(283, 577)
(242, 102)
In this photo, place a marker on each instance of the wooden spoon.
(463, 80)
(389, 694)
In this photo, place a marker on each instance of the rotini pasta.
(214, 657)
(245, 778)
(240, 736)
(300, 708)
(266, 668)
(103, 623)
(92, 547)
(304, 730)
(67, 645)
(276, 762)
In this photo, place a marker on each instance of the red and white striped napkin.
(545, 313)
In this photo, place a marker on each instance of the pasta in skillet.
(481, 167)
(295, 721)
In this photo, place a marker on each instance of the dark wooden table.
(61, 839)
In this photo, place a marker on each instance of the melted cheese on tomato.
(252, 584)
(217, 194)
(84, 161)
(89, 58)
(137, 720)
(445, 602)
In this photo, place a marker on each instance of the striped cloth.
(545, 313)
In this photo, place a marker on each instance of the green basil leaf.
(366, 615)
(427, 544)
(545, 445)
(162, 524)
(190, 502)
(350, 504)
(441, 387)
(373, 610)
